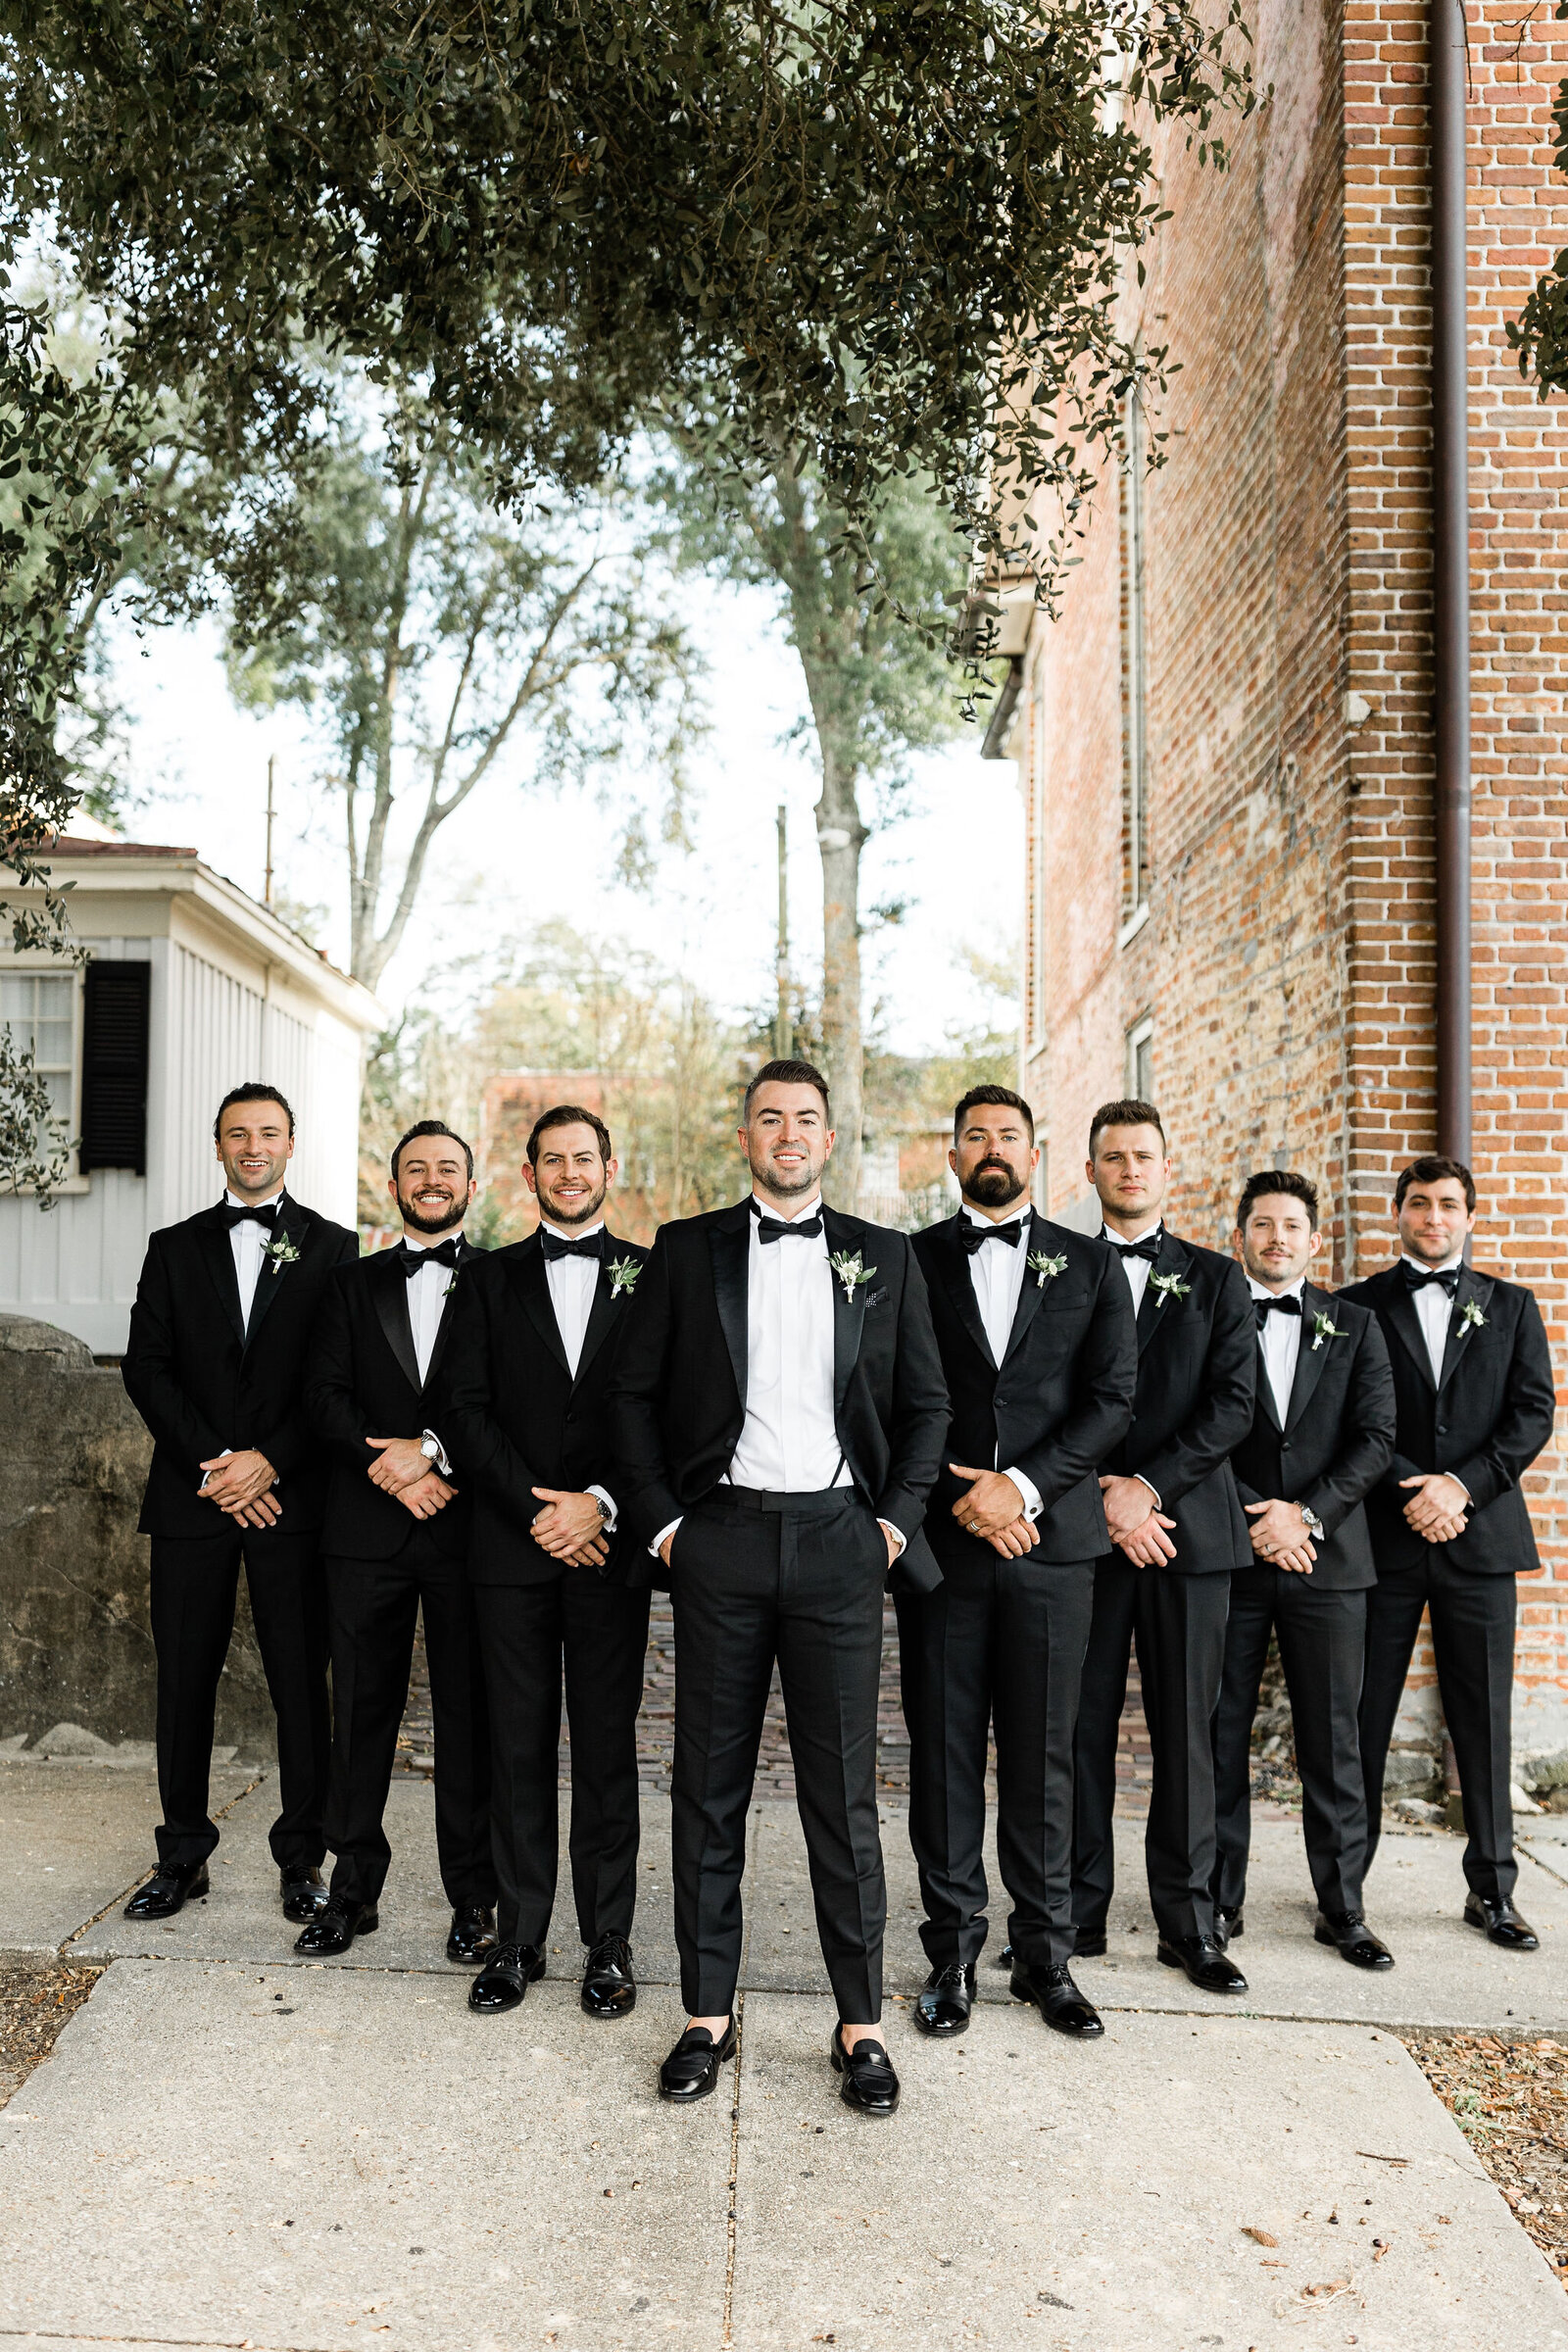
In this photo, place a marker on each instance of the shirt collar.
(413, 1241)
(1121, 1240)
(572, 1232)
(233, 1200)
(1421, 1266)
(1014, 1216)
(1292, 1290)
(808, 1210)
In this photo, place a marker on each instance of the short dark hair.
(254, 1092)
(568, 1114)
(1431, 1168)
(1127, 1112)
(1277, 1180)
(1002, 1096)
(430, 1127)
(788, 1073)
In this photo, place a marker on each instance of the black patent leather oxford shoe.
(691, 2071)
(171, 1885)
(1228, 1926)
(1356, 1940)
(869, 2082)
(943, 2004)
(304, 1894)
(1501, 1923)
(1206, 1964)
(1058, 1999)
(335, 1925)
(506, 1976)
(608, 1987)
(472, 1936)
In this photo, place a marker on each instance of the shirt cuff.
(1463, 1489)
(1152, 1489)
(608, 1500)
(1032, 1505)
(441, 1462)
(896, 1533)
(657, 1541)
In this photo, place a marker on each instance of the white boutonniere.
(850, 1271)
(623, 1273)
(1323, 1329)
(282, 1252)
(1471, 1317)
(1169, 1285)
(1045, 1269)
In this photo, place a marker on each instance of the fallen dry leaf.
(1264, 2237)
(1326, 2288)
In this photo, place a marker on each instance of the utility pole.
(266, 885)
(783, 1026)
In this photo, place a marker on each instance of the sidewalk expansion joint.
(124, 1895)
(160, 2343)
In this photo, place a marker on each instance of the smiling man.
(216, 1367)
(778, 1416)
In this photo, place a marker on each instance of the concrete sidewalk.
(231, 2146)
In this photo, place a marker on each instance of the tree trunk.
(839, 838)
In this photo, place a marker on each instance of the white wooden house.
(189, 987)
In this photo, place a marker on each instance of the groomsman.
(214, 1365)
(779, 1416)
(394, 1543)
(1040, 1355)
(538, 1332)
(1178, 1529)
(1451, 1530)
(1322, 1435)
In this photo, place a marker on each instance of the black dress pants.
(194, 1584)
(999, 1641)
(1178, 1622)
(1472, 1634)
(374, 1606)
(798, 1578)
(600, 1629)
(1322, 1638)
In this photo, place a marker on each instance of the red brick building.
(1225, 743)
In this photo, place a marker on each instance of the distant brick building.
(1225, 744)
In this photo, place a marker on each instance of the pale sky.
(511, 858)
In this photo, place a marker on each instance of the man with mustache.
(1040, 1355)
(395, 1544)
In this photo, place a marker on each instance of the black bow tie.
(582, 1245)
(774, 1229)
(974, 1236)
(265, 1213)
(445, 1253)
(1275, 1306)
(1416, 1278)
(1147, 1248)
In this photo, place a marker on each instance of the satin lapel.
(848, 1303)
(272, 1276)
(603, 1309)
(730, 1241)
(218, 1255)
(1457, 1346)
(1408, 1323)
(960, 1289)
(1034, 1289)
(389, 1287)
(527, 1271)
(1158, 1305)
(1310, 1360)
(1265, 1387)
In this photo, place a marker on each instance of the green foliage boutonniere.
(1169, 1285)
(1323, 1329)
(623, 1273)
(282, 1252)
(1045, 1269)
(850, 1271)
(1471, 1317)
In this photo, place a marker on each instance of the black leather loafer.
(472, 1936)
(506, 1976)
(869, 2084)
(304, 1894)
(171, 1885)
(1089, 1945)
(944, 2002)
(335, 1925)
(691, 2071)
(1228, 1926)
(1354, 1939)
(1058, 1999)
(1206, 1964)
(608, 1987)
(1501, 1923)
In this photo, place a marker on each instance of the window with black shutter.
(114, 1066)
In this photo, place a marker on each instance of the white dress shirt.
(1434, 1308)
(1137, 1269)
(1280, 1345)
(248, 1241)
(571, 1283)
(996, 1273)
(427, 1296)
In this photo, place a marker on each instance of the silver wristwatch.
(1311, 1522)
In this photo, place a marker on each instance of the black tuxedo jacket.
(515, 1419)
(363, 1381)
(1061, 1399)
(1486, 1420)
(1197, 1387)
(678, 1401)
(204, 1382)
(1337, 1441)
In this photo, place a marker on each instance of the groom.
(778, 1416)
